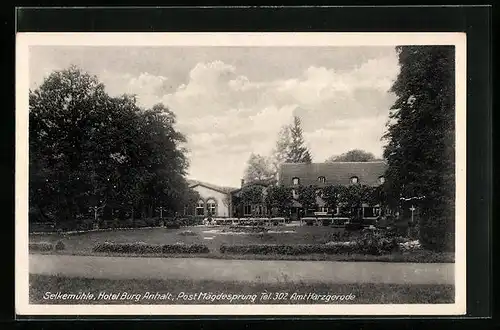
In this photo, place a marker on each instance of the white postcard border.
(24, 40)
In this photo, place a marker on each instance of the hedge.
(46, 246)
(368, 243)
(144, 248)
(285, 249)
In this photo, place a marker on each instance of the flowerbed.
(144, 248)
(285, 249)
(247, 229)
(369, 242)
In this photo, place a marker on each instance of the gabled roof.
(336, 173)
(221, 189)
(263, 183)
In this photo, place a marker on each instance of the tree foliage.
(279, 198)
(281, 150)
(252, 195)
(258, 168)
(420, 148)
(88, 149)
(355, 155)
(298, 152)
(330, 195)
(307, 197)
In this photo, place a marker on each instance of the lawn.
(214, 237)
(183, 292)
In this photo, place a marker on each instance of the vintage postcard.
(240, 173)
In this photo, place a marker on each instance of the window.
(354, 179)
(368, 212)
(247, 210)
(295, 181)
(212, 207)
(259, 210)
(381, 180)
(376, 211)
(200, 208)
(321, 179)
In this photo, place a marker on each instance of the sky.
(232, 101)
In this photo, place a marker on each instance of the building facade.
(258, 208)
(294, 175)
(228, 202)
(214, 200)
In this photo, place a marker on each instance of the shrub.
(185, 248)
(172, 225)
(60, 246)
(137, 247)
(41, 246)
(353, 226)
(287, 249)
(140, 223)
(375, 243)
(369, 242)
(144, 248)
(435, 233)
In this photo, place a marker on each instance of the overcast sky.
(232, 101)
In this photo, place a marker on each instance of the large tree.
(90, 151)
(298, 152)
(330, 195)
(306, 196)
(355, 155)
(281, 150)
(279, 198)
(420, 149)
(258, 168)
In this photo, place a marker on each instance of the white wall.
(220, 198)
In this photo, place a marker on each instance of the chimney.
(242, 182)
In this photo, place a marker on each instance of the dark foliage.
(421, 138)
(143, 248)
(100, 157)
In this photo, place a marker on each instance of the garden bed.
(213, 239)
(143, 248)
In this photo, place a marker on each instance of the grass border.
(447, 257)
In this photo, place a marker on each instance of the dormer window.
(295, 181)
(354, 179)
(321, 179)
(381, 180)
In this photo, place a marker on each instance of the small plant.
(59, 246)
(376, 243)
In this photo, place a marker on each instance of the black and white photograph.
(233, 173)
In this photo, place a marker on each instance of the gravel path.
(267, 271)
